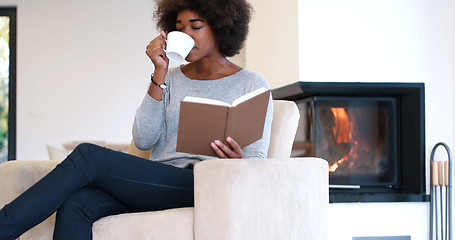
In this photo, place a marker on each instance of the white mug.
(179, 45)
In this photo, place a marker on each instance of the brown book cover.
(204, 120)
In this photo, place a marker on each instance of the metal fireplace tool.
(441, 204)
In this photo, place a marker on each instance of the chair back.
(56, 153)
(284, 126)
(286, 117)
(133, 150)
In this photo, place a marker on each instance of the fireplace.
(371, 134)
(357, 135)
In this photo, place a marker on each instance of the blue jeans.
(93, 182)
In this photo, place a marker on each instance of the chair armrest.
(261, 199)
(17, 176)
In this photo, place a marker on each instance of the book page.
(205, 101)
(248, 96)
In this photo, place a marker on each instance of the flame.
(334, 166)
(342, 132)
(341, 128)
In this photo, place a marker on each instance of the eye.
(196, 28)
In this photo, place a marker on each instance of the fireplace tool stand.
(440, 206)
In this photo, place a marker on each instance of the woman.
(93, 182)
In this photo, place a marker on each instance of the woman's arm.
(149, 122)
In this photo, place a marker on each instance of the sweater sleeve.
(149, 123)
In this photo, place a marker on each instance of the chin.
(192, 57)
(188, 59)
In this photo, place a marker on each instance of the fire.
(342, 132)
(341, 128)
(334, 166)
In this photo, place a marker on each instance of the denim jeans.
(93, 182)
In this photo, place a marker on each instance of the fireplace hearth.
(371, 134)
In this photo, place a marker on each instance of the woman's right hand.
(155, 51)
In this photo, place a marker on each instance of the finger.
(149, 46)
(160, 40)
(155, 48)
(227, 150)
(163, 34)
(218, 151)
(235, 146)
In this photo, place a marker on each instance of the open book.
(204, 120)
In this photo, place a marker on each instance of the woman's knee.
(87, 149)
(84, 156)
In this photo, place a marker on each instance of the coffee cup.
(179, 45)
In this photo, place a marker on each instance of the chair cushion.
(173, 224)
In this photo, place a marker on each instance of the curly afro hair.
(228, 19)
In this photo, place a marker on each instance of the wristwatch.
(162, 86)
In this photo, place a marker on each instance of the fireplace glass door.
(356, 135)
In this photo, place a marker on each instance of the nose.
(188, 31)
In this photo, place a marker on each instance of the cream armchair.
(274, 198)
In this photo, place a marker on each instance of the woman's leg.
(139, 184)
(76, 216)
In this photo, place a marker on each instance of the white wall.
(366, 41)
(383, 41)
(81, 70)
(272, 45)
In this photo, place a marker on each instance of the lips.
(193, 49)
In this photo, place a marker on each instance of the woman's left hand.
(224, 151)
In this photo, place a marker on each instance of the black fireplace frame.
(410, 98)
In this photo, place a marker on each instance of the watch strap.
(162, 86)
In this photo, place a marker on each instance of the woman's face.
(192, 24)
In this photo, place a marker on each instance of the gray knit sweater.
(156, 122)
